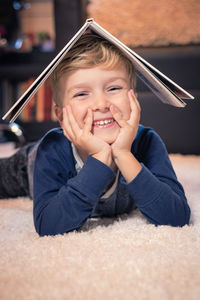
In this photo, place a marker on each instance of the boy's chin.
(109, 139)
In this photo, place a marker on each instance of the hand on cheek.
(128, 128)
(83, 139)
(121, 148)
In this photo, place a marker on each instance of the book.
(163, 87)
(28, 113)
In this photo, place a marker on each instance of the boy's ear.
(59, 113)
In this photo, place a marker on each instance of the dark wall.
(9, 21)
(178, 127)
(69, 16)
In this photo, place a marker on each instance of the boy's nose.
(100, 103)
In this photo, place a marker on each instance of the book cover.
(162, 86)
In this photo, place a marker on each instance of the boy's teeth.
(103, 122)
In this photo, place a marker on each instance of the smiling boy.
(99, 106)
(101, 162)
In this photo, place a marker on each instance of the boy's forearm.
(61, 207)
(128, 165)
(161, 200)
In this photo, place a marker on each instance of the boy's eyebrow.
(117, 78)
(77, 86)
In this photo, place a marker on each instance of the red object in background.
(47, 101)
(2, 31)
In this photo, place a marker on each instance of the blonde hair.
(91, 51)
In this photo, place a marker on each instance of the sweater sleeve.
(63, 200)
(156, 190)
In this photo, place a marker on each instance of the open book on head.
(166, 90)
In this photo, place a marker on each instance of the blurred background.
(166, 33)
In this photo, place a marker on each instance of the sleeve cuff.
(95, 176)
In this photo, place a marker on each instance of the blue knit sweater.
(65, 199)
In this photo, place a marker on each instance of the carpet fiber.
(126, 258)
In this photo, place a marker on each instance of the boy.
(101, 162)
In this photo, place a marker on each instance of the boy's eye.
(81, 94)
(114, 88)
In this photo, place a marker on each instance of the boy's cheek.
(78, 116)
(123, 105)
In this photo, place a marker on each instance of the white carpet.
(111, 259)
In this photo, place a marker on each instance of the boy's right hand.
(83, 139)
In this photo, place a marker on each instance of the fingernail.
(131, 92)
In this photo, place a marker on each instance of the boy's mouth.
(104, 123)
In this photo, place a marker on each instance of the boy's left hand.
(128, 128)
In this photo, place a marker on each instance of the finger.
(135, 108)
(88, 122)
(67, 135)
(72, 121)
(136, 99)
(66, 125)
(133, 99)
(117, 116)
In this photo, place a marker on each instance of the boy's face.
(97, 88)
